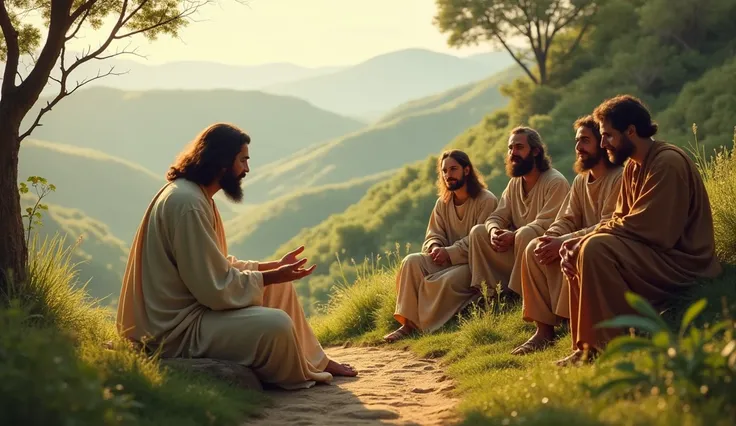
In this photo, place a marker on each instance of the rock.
(228, 371)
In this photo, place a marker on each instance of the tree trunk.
(13, 250)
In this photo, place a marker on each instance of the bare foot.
(535, 343)
(398, 334)
(577, 358)
(337, 369)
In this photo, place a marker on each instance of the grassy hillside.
(397, 211)
(257, 232)
(150, 128)
(99, 254)
(407, 137)
(388, 80)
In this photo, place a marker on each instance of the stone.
(231, 372)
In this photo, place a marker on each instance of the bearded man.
(659, 241)
(184, 295)
(591, 199)
(528, 206)
(434, 285)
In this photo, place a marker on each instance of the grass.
(496, 387)
(55, 369)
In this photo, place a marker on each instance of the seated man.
(659, 240)
(184, 294)
(528, 206)
(435, 284)
(591, 199)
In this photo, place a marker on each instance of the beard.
(230, 184)
(522, 167)
(454, 185)
(587, 161)
(619, 155)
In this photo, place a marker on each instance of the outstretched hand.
(291, 257)
(287, 273)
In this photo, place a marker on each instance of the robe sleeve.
(207, 273)
(501, 217)
(436, 229)
(459, 251)
(658, 216)
(568, 218)
(555, 194)
(243, 265)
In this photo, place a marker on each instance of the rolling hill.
(100, 256)
(407, 135)
(372, 87)
(150, 128)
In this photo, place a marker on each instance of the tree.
(63, 20)
(537, 22)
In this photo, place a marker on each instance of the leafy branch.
(42, 188)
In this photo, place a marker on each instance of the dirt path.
(393, 387)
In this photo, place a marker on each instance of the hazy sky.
(305, 32)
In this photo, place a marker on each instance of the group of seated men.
(569, 252)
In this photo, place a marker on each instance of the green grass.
(496, 387)
(55, 368)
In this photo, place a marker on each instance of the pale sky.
(305, 32)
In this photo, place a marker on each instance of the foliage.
(33, 213)
(538, 22)
(695, 365)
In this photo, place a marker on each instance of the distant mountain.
(412, 132)
(99, 255)
(386, 81)
(150, 128)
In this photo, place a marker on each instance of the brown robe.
(184, 294)
(658, 242)
(545, 291)
(430, 294)
(529, 215)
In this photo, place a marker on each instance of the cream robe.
(659, 241)
(183, 293)
(529, 215)
(545, 290)
(428, 294)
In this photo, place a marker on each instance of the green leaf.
(645, 308)
(693, 311)
(29, 210)
(661, 340)
(625, 344)
(631, 321)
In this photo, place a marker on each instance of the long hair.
(211, 151)
(474, 182)
(626, 110)
(542, 160)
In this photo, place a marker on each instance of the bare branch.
(185, 13)
(76, 14)
(513, 55)
(13, 50)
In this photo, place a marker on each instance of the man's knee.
(277, 323)
(529, 250)
(524, 236)
(595, 249)
(479, 232)
(413, 259)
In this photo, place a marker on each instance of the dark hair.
(474, 181)
(626, 110)
(590, 123)
(212, 150)
(542, 159)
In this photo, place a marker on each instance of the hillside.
(410, 135)
(259, 231)
(152, 127)
(396, 211)
(375, 86)
(99, 255)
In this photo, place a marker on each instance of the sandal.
(397, 334)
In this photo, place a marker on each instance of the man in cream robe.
(591, 199)
(528, 206)
(659, 241)
(434, 285)
(184, 295)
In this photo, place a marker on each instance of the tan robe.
(430, 294)
(183, 293)
(545, 290)
(529, 215)
(658, 242)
